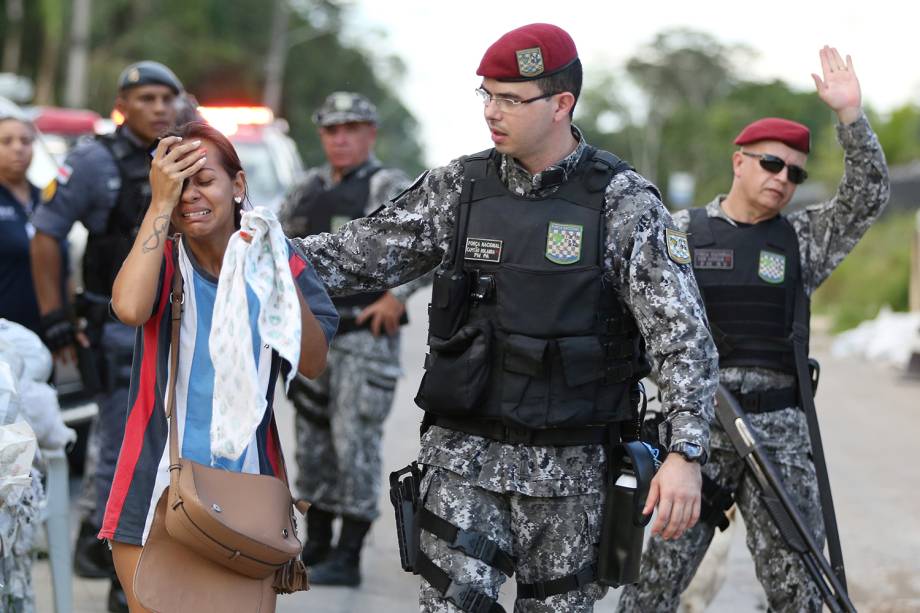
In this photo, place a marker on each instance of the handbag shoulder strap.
(176, 301)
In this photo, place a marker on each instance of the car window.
(261, 179)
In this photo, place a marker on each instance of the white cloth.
(17, 450)
(36, 359)
(238, 404)
(29, 361)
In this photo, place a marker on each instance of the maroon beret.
(791, 133)
(530, 52)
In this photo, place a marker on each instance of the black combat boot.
(118, 601)
(319, 536)
(343, 566)
(91, 557)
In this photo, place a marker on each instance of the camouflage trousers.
(339, 424)
(668, 566)
(547, 537)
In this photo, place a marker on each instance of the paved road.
(871, 423)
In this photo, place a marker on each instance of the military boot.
(91, 557)
(319, 536)
(118, 600)
(343, 566)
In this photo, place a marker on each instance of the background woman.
(198, 186)
(18, 198)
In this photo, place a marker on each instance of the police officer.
(558, 267)
(751, 261)
(340, 415)
(103, 184)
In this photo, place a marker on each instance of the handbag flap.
(244, 512)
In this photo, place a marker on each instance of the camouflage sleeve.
(396, 244)
(665, 301)
(386, 185)
(829, 231)
(681, 219)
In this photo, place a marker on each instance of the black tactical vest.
(106, 251)
(749, 276)
(325, 210)
(522, 327)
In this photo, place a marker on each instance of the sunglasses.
(775, 165)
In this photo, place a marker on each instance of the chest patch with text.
(483, 250)
(714, 259)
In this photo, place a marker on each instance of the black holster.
(450, 291)
(91, 361)
(630, 468)
(405, 496)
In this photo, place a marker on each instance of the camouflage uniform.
(543, 503)
(339, 423)
(826, 232)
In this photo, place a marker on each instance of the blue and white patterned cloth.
(262, 266)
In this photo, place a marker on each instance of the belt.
(498, 431)
(769, 400)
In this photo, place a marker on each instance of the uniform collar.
(521, 182)
(714, 209)
(358, 172)
(130, 136)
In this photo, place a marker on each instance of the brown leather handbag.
(171, 578)
(244, 522)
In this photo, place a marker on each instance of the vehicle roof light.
(228, 119)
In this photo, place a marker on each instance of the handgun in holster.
(91, 316)
(630, 468)
(406, 498)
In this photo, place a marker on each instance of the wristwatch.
(690, 451)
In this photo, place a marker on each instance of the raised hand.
(173, 163)
(839, 89)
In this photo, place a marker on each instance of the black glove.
(57, 330)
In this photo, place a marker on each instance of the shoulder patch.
(678, 246)
(49, 191)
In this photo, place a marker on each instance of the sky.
(441, 44)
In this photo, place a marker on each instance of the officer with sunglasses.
(755, 266)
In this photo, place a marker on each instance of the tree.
(680, 71)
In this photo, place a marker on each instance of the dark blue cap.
(148, 73)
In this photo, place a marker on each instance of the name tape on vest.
(714, 259)
(483, 250)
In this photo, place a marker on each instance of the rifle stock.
(780, 507)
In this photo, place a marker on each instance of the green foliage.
(876, 273)
(901, 135)
(219, 51)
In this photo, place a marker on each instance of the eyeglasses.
(507, 104)
(775, 165)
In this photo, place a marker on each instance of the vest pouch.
(525, 381)
(450, 292)
(583, 371)
(567, 296)
(456, 371)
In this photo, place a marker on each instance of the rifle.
(784, 514)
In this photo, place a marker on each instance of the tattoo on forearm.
(160, 227)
